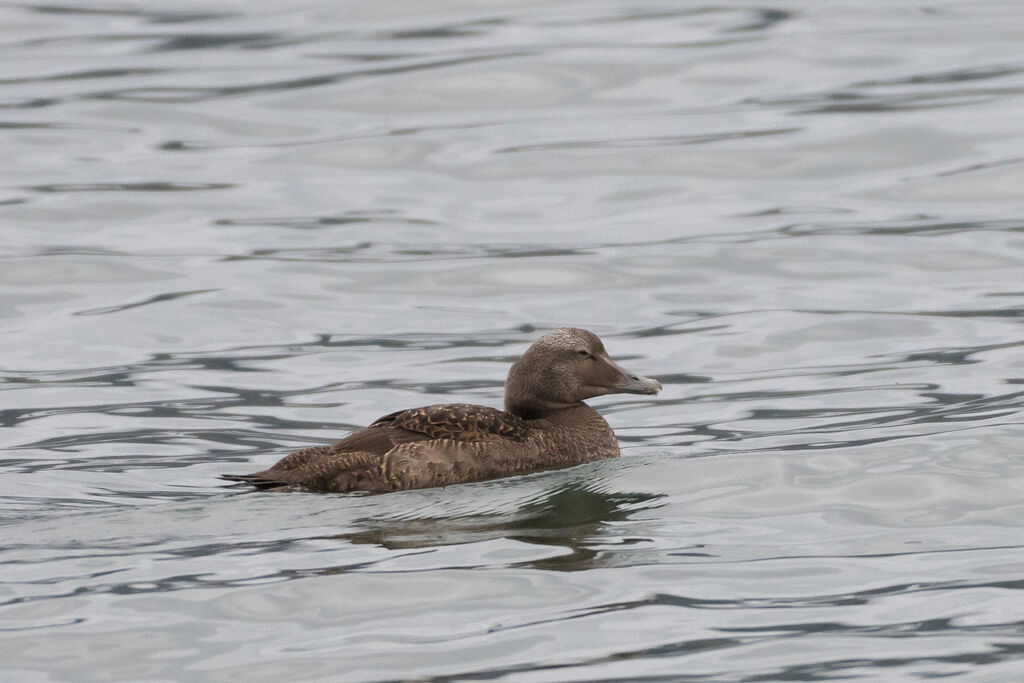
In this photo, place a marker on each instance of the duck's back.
(439, 445)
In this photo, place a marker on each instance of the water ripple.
(234, 233)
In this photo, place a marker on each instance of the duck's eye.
(583, 352)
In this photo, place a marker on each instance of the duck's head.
(562, 369)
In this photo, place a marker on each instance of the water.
(235, 229)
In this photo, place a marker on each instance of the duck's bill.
(628, 383)
(635, 384)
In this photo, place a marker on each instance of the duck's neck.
(578, 413)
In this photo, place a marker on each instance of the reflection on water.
(229, 234)
(571, 518)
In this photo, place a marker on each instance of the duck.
(545, 425)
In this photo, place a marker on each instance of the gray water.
(233, 229)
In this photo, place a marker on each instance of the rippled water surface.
(232, 229)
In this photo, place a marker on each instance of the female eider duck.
(545, 424)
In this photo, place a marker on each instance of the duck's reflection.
(573, 516)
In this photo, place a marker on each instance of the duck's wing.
(461, 422)
(450, 444)
(357, 462)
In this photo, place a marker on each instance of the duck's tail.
(263, 481)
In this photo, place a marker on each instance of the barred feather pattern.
(440, 445)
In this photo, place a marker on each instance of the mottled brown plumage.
(545, 424)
